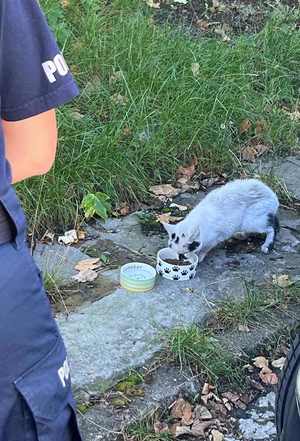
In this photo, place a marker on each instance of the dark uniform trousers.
(35, 387)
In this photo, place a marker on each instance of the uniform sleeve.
(34, 75)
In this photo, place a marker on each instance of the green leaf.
(96, 204)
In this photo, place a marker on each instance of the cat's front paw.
(265, 249)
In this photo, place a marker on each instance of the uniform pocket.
(46, 390)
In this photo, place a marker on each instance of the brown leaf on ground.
(92, 263)
(207, 388)
(81, 234)
(241, 405)
(219, 408)
(253, 151)
(203, 25)
(199, 427)
(182, 410)
(186, 184)
(231, 396)
(279, 363)
(160, 427)
(86, 276)
(167, 218)
(260, 127)
(165, 190)
(211, 396)
(189, 170)
(260, 362)
(202, 413)
(245, 125)
(227, 404)
(267, 376)
(216, 435)
(182, 430)
(122, 210)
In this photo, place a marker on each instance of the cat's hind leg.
(271, 232)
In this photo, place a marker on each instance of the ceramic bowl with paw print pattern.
(169, 267)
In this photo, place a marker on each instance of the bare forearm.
(30, 145)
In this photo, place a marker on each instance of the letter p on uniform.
(57, 65)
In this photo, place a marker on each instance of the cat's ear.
(169, 227)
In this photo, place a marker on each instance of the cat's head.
(183, 240)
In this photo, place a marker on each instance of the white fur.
(241, 206)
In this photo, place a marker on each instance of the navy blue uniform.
(36, 402)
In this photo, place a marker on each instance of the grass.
(256, 304)
(143, 431)
(199, 349)
(120, 146)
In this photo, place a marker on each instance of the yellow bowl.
(137, 277)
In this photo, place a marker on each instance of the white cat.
(241, 206)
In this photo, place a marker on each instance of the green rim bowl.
(137, 277)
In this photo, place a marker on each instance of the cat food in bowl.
(171, 268)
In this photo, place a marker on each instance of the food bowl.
(176, 270)
(137, 277)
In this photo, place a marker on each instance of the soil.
(178, 262)
(230, 18)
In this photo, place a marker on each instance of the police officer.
(36, 402)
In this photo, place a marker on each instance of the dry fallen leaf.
(261, 362)
(183, 410)
(86, 276)
(283, 281)
(81, 234)
(245, 125)
(69, 237)
(208, 397)
(195, 69)
(199, 427)
(267, 376)
(189, 170)
(86, 264)
(207, 388)
(279, 363)
(216, 435)
(203, 25)
(202, 413)
(153, 3)
(167, 218)
(160, 427)
(231, 396)
(182, 430)
(260, 127)
(165, 190)
(186, 185)
(251, 152)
